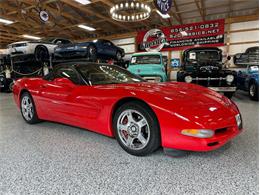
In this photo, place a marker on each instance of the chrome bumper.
(223, 89)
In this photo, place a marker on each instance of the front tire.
(136, 128)
(253, 91)
(92, 52)
(119, 56)
(28, 109)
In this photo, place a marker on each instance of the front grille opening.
(213, 144)
(222, 130)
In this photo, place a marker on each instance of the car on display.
(251, 56)
(248, 80)
(37, 50)
(90, 50)
(203, 66)
(152, 66)
(142, 116)
(6, 83)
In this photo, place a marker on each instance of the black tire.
(154, 140)
(119, 56)
(253, 91)
(92, 53)
(229, 94)
(41, 54)
(34, 117)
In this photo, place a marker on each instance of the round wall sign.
(163, 5)
(44, 16)
(154, 40)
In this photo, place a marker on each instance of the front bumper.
(207, 144)
(223, 89)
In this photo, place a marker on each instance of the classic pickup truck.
(152, 66)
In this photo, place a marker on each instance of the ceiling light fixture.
(6, 21)
(31, 37)
(83, 2)
(164, 16)
(130, 11)
(88, 28)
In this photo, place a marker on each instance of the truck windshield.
(146, 59)
(204, 55)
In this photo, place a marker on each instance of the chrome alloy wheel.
(133, 129)
(27, 108)
(252, 90)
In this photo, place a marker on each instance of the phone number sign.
(179, 37)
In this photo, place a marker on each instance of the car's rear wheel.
(118, 56)
(41, 54)
(27, 108)
(136, 128)
(253, 91)
(92, 51)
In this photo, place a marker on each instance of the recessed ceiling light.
(88, 28)
(31, 37)
(83, 2)
(5, 21)
(163, 15)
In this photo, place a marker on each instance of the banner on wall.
(180, 37)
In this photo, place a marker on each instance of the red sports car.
(142, 116)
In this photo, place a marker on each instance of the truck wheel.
(229, 94)
(253, 91)
(41, 54)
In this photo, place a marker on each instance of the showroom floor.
(54, 158)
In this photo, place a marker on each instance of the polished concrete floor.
(50, 158)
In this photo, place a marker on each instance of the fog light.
(188, 79)
(201, 133)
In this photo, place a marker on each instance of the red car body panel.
(177, 106)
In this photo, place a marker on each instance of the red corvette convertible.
(142, 116)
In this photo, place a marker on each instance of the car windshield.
(146, 59)
(102, 74)
(48, 40)
(204, 55)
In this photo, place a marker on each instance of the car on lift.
(6, 82)
(92, 50)
(35, 50)
(203, 66)
(152, 66)
(248, 80)
(142, 116)
(251, 56)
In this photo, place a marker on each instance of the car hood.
(188, 101)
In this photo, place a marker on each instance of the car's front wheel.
(136, 128)
(41, 54)
(253, 91)
(28, 109)
(119, 56)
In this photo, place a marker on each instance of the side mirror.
(228, 58)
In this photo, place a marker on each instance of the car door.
(109, 48)
(242, 76)
(56, 94)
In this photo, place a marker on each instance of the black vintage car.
(6, 82)
(251, 56)
(92, 50)
(203, 66)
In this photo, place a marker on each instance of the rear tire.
(253, 91)
(136, 128)
(118, 56)
(41, 54)
(229, 94)
(28, 109)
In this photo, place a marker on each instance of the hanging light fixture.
(130, 11)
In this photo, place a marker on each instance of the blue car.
(92, 50)
(248, 80)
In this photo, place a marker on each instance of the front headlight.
(229, 78)
(188, 79)
(200, 133)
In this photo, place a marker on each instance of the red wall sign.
(179, 37)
